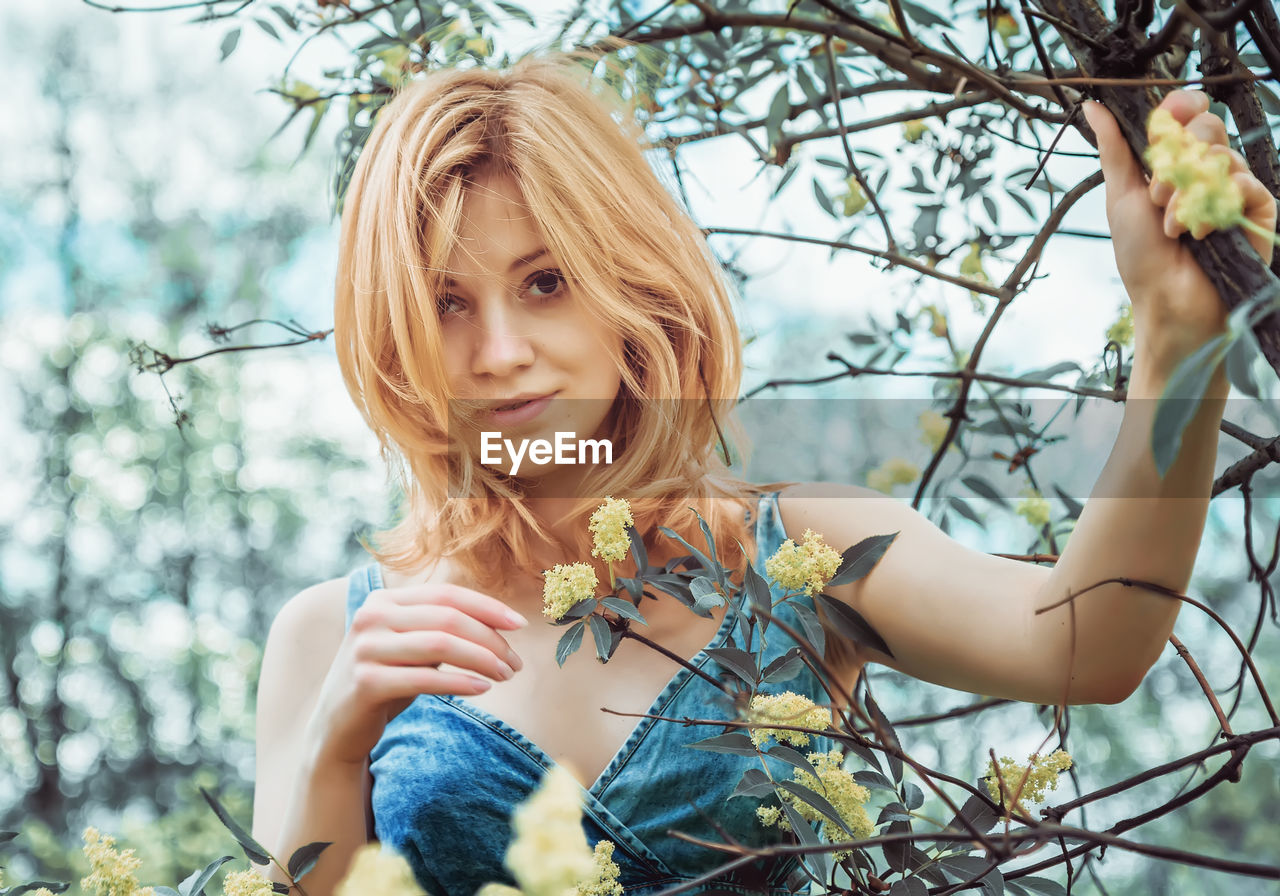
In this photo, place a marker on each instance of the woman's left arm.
(969, 620)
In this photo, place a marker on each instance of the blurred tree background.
(908, 228)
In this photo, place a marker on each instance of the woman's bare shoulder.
(306, 633)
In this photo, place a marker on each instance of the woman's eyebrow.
(522, 261)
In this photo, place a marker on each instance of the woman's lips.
(521, 413)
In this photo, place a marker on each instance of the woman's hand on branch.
(393, 651)
(1175, 306)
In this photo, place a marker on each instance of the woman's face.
(516, 338)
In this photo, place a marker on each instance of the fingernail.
(513, 660)
(515, 619)
(479, 684)
(506, 671)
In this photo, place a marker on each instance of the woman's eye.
(449, 304)
(545, 284)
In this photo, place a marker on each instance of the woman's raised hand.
(1175, 306)
(393, 651)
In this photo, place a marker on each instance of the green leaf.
(1181, 398)
(195, 884)
(912, 795)
(702, 558)
(36, 885)
(792, 757)
(778, 110)
(962, 507)
(705, 595)
(737, 661)
(886, 732)
(569, 642)
(758, 592)
(874, 780)
(812, 628)
(849, 622)
(818, 863)
(304, 858)
(286, 17)
(623, 608)
(817, 801)
(256, 852)
(517, 12)
(924, 15)
(824, 201)
(754, 783)
(228, 45)
(909, 886)
(981, 487)
(600, 632)
(784, 668)
(1073, 506)
(735, 742)
(268, 28)
(898, 855)
(638, 551)
(858, 560)
(964, 868)
(1042, 886)
(979, 813)
(6, 836)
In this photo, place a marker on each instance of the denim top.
(446, 775)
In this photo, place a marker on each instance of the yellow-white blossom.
(1040, 774)
(549, 854)
(112, 873)
(805, 567)
(1122, 330)
(566, 585)
(378, 870)
(246, 883)
(835, 783)
(1034, 508)
(894, 471)
(787, 708)
(608, 528)
(604, 877)
(933, 429)
(914, 130)
(853, 199)
(1207, 196)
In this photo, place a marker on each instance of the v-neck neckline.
(619, 756)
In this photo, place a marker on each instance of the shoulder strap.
(359, 584)
(769, 531)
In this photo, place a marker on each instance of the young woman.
(511, 264)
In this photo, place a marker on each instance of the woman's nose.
(502, 345)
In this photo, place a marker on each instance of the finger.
(1208, 128)
(1173, 228)
(380, 684)
(487, 609)
(431, 648)
(1260, 208)
(455, 622)
(1119, 167)
(1185, 105)
(1161, 192)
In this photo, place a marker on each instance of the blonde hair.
(632, 257)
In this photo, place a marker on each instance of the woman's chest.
(580, 714)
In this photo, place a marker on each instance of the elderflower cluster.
(805, 567)
(787, 708)
(835, 783)
(549, 855)
(608, 528)
(894, 471)
(112, 873)
(853, 199)
(1028, 782)
(251, 883)
(1122, 330)
(373, 870)
(1208, 197)
(933, 429)
(913, 131)
(1034, 508)
(565, 585)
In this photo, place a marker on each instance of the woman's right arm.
(326, 693)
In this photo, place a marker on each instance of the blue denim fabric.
(446, 776)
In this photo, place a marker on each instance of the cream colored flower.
(566, 585)
(845, 795)
(609, 529)
(1034, 508)
(894, 471)
(604, 878)
(246, 883)
(1041, 777)
(1208, 197)
(375, 869)
(853, 199)
(549, 854)
(933, 429)
(805, 567)
(112, 873)
(914, 130)
(787, 708)
(1122, 330)
(971, 264)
